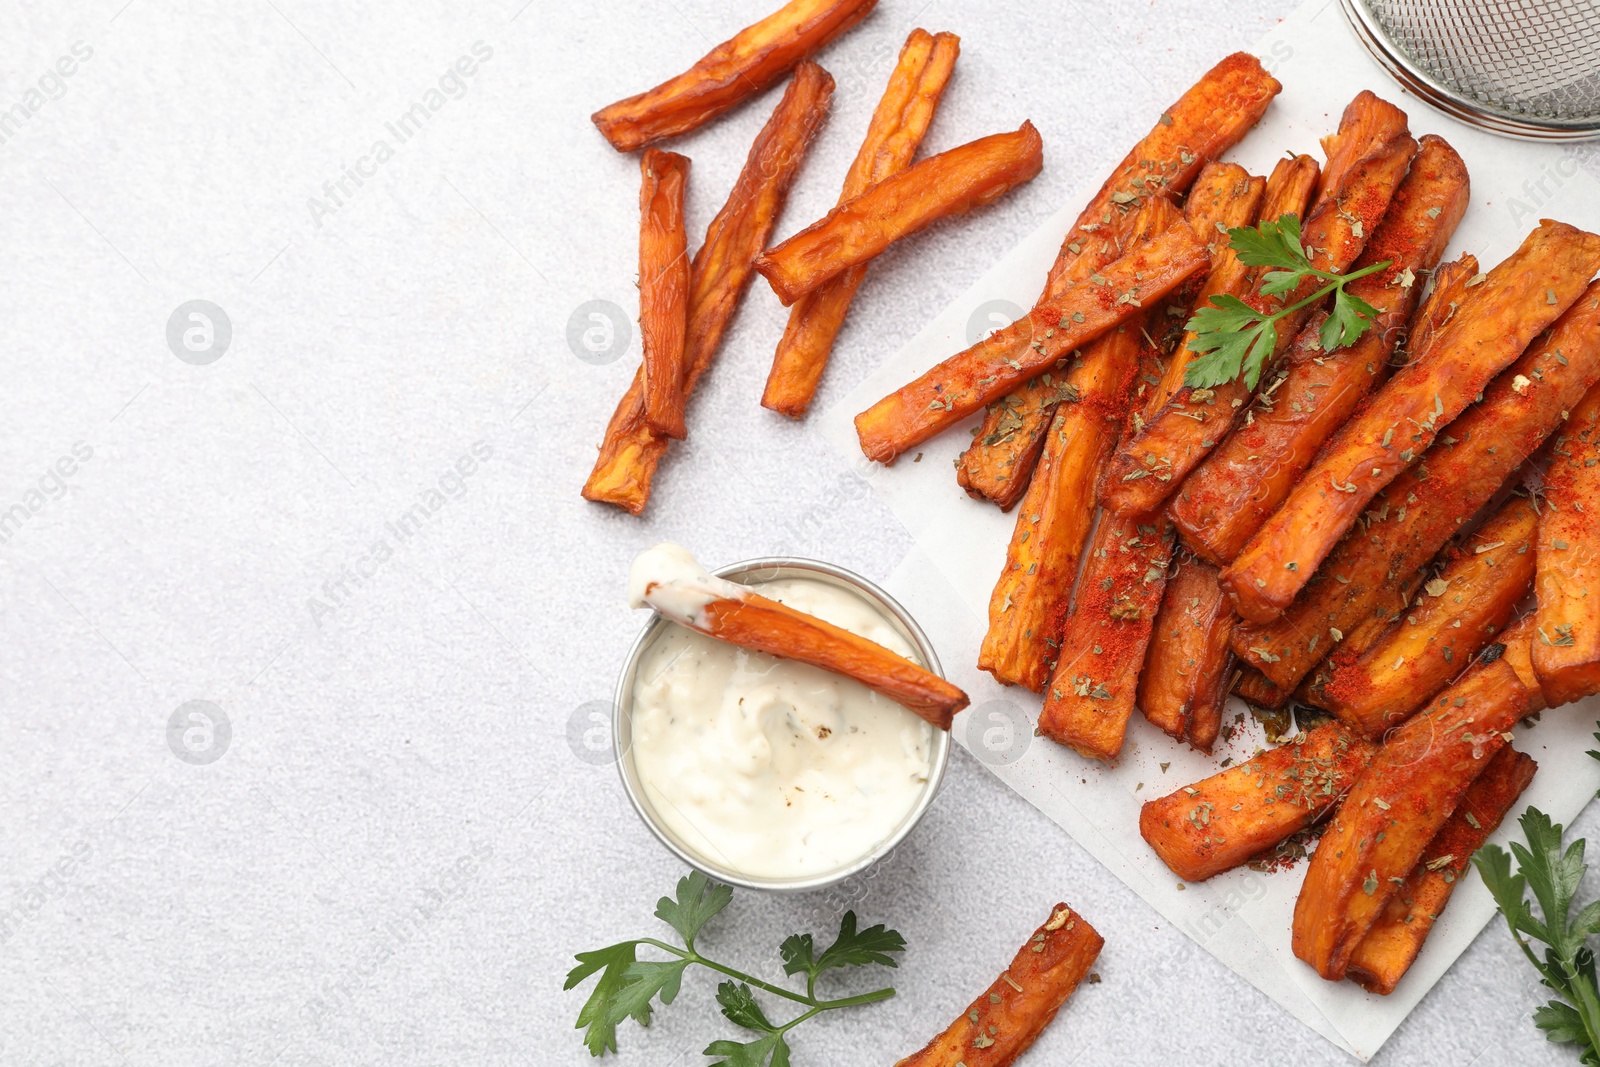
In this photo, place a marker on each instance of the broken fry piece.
(1458, 613)
(1423, 508)
(1241, 483)
(718, 277)
(1190, 421)
(1235, 815)
(1010, 1015)
(950, 183)
(668, 579)
(738, 68)
(1185, 678)
(1403, 798)
(663, 288)
(1391, 946)
(1566, 654)
(897, 127)
(1520, 297)
(1255, 688)
(964, 383)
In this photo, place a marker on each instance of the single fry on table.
(902, 117)
(718, 276)
(1237, 814)
(1458, 613)
(1415, 516)
(1515, 303)
(1010, 1015)
(736, 69)
(1566, 653)
(1404, 798)
(663, 288)
(852, 234)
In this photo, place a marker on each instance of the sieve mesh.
(1529, 67)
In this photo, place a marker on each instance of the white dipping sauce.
(769, 767)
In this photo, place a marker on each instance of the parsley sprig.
(628, 985)
(1233, 338)
(1554, 872)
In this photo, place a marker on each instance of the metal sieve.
(1526, 68)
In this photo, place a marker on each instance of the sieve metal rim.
(1429, 89)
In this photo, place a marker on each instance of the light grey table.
(397, 848)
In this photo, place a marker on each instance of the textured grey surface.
(400, 848)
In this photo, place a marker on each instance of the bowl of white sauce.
(767, 773)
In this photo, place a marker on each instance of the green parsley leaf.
(739, 1005)
(600, 1013)
(1553, 871)
(1232, 339)
(770, 1051)
(699, 899)
(852, 949)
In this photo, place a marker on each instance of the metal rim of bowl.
(770, 568)
(1432, 91)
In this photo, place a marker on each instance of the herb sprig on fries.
(1554, 874)
(1233, 338)
(628, 985)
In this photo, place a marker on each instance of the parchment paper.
(1242, 917)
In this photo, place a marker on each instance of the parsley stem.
(1339, 281)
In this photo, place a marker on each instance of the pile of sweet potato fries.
(685, 305)
(1360, 532)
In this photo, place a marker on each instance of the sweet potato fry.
(718, 276)
(950, 183)
(736, 69)
(1353, 202)
(1424, 507)
(964, 383)
(1175, 436)
(1402, 800)
(1390, 947)
(1185, 677)
(897, 127)
(1096, 677)
(1010, 1015)
(1207, 120)
(1214, 825)
(1566, 654)
(668, 579)
(1459, 613)
(997, 464)
(1450, 285)
(1030, 598)
(663, 288)
(1242, 482)
(1520, 297)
